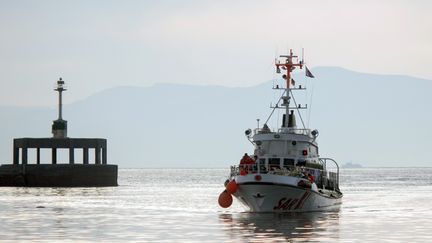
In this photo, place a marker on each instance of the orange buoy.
(225, 199)
(231, 187)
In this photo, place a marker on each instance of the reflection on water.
(48, 213)
(291, 227)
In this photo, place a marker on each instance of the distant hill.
(380, 119)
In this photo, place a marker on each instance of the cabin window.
(288, 163)
(301, 162)
(274, 163)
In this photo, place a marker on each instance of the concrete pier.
(58, 175)
(23, 173)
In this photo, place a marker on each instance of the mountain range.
(370, 119)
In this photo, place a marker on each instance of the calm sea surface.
(180, 205)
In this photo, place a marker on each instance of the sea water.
(180, 205)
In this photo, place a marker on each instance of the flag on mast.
(308, 73)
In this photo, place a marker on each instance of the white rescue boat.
(285, 172)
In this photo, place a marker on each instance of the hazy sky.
(95, 45)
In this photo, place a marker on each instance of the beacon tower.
(59, 126)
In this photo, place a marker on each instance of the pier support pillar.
(71, 156)
(85, 155)
(16, 156)
(38, 156)
(54, 156)
(104, 155)
(24, 152)
(97, 155)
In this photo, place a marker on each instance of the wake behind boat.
(285, 173)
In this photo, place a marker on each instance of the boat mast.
(289, 66)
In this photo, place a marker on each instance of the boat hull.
(271, 197)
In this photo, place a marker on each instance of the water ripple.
(180, 205)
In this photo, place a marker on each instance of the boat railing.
(323, 178)
(262, 130)
(333, 176)
(300, 131)
(264, 169)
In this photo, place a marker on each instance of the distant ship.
(351, 165)
(285, 172)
